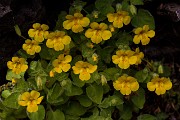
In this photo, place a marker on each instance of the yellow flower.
(119, 18)
(159, 85)
(51, 73)
(143, 34)
(39, 32)
(98, 32)
(31, 47)
(126, 84)
(76, 22)
(84, 69)
(62, 63)
(18, 65)
(31, 100)
(124, 58)
(139, 55)
(58, 40)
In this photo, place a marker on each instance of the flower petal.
(84, 76)
(34, 94)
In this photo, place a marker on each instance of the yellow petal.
(103, 26)
(76, 70)
(69, 16)
(78, 15)
(106, 34)
(134, 86)
(36, 25)
(168, 85)
(115, 59)
(96, 39)
(67, 58)
(31, 32)
(66, 40)
(118, 24)
(34, 94)
(94, 25)
(127, 20)
(38, 101)
(92, 68)
(116, 85)
(89, 33)
(25, 96)
(137, 30)
(49, 43)
(22, 103)
(58, 47)
(160, 91)
(24, 68)
(125, 91)
(66, 67)
(68, 24)
(44, 27)
(110, 17)
(151, 86)
(132, 60)
(37, 49)
(145, 40)
(84, 76)
(15, 59)
(145, 28)
(32, 107)
(137, 39)
(77, 28)
(150, 33)
(58, 69)
(84, 21)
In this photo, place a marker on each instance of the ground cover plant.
(89, 67)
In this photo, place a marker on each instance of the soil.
(164, 46)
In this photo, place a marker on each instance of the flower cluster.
(31, 47)
(125, 58)
(61, 64)
(119, 18)
(126, 84)
(18, 65)
(98, 32)
(39, 32)
(58, 40)
(31, 100)
(76, 22)
(159, 85)
(84, 69)
(143, 34)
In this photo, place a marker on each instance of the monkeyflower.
(119, 18)
(143, 34)
(31, 47)
(159, 85)
(124, 58)
(98, 32)
(126, 84)
(31, 100)
(58, 40)
(39, 32)
(84, 69)
(139, 55)
(18, 65)
(61, 63)
(76, 22)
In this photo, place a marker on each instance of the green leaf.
(12, 101)
(55, 115)
(123, 40)
(139, 98)
(54, 94)
(21, 86)
(143, 17)
(17, 30)
(74, 91)
(11, 75)
(126, 114)
(146, 117)
(5, 93)
(111, 73)
(106, 113)
(44, 53)
(71, 117)
(74, 108)
(84, 100)
(137, 2)
(61, 19)
(104, 6)
(39, 115)
(111, 101)
(86, 51)
(141, 75)
(106, 53)
(95, 93)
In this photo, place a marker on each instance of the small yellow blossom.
(39, 32)
(126, 84)
(139, 55)
(76, 22)
(84, 69)
(111, 27)
(18, 65)
(124, 58)
(31, 47)
(31, 100)
(98, 32)
(119, 18)
(58, 40)
(51, 73)
(62, 63)
(143, 34)
(159, 85)
(14, 81)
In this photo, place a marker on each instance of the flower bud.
(103, 80)
(95, 14)
(133, 9)
(118, 7)
(160, 69)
